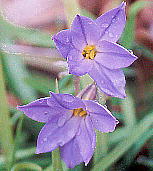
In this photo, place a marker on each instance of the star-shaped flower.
(90, 47)
(70, 123)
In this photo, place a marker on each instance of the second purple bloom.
(70, 123)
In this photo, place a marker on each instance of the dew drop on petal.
(106, 32)
(41, 101)
(111, 34)
(61, 121)
(130, 51)
(92, 146)
(45, 139)
(79, 132)
(45, 113)
(114, 20)
(105, 106)
(105, 25)
(68, 98)
(67, 39)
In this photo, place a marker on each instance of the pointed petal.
(39, 110)
(111, 82)
(113, 56)
(63, 43)
(101, 117)
(67, 101)
(112, 23)
(87, 28)
(53, 135)
(70, 153)
(86, 140)
(77, 64)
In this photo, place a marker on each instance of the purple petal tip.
(19, 108)
(123, 4)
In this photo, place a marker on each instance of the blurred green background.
(30, 63)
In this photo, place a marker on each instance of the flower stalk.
(5, 125)
(56, 160)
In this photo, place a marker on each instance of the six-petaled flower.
(90, 47)
(70, 123)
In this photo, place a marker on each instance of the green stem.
(5, 124)
(101, 146)
(17, 137)
(101, 138)
(56, 160)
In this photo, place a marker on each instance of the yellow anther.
(79, 112)
(89, 52)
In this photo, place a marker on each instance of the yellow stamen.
(89, 52)
(79, 112)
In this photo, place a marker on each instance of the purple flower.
(70, 123)
(90, 47)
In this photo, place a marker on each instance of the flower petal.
(53, 135)
(67, 101)
(39, 110)
(112, 23)
(113, 56)
(102, 118)
(70, 153)
(111, 82)
(77, 64)
(86, 139)
(63, 43)
(87, 28)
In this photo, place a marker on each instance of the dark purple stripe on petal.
(38, 110)
(85, 28)
(63, 42)
(67, 101)
(111, 82)
(102, 119)
(113, 56)
(53, 135)
(86, 140)
(82, 27)
(112, 23)
(70, 153)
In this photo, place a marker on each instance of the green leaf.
(125, 144)
(16, 74)
(101, 145)
(137, 147)
(6, 131)
(128, 109)
(26, 167)
(17, 138)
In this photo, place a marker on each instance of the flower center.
(79, 112)
(89, 52)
